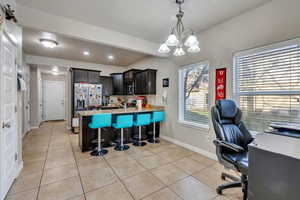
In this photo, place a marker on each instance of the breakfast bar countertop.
(120, 111)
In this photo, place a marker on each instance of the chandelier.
(180, 39)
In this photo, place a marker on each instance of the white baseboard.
(190, 147)
(34, 127)
(20, 167)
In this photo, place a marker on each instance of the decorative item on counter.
(9, 13)
(220, 84)
(139, 104)
(165, 82)
(148, 106)
(144, 100)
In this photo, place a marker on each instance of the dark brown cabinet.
(145, 82)
(88, 76)
(129, 81)
(80, 75)
(107, 85)
(118, 83)
(94, 77)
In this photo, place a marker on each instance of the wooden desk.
(274, 168)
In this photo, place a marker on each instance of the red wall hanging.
(220, 84)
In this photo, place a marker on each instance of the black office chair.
(231, 143)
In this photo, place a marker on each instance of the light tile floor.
(55, 169)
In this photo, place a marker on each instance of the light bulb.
(164, 48)
(172, 40)
(194, 49)
(179, 52)
(191, 41)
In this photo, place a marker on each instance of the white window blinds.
(267, 84)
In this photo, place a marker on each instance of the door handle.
(6, 125)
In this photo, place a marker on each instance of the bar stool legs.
(154, 139)
(140, 143)
(122, 147)
(100, 151)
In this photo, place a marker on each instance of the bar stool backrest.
(143, 119)
(158, 116)
(124, 121)
(101, 120)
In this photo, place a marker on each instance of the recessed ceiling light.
(111, 57)
(48, 43)
(86, 53)
(55, 73)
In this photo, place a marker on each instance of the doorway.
(53, 100)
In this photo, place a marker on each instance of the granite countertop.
(120, 111)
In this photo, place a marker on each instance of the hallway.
(55, 169)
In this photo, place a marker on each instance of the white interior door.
(8, 116)
(54, 100)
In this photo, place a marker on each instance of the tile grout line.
(37, 196)
(118, 177)
(79, 174)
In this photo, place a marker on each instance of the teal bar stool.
(123, 121)
(157, 116)
(100, 121)
(141, 120)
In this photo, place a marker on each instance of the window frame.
(250, 52)
(181, 97)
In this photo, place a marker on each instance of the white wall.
(273, 22)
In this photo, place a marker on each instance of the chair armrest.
(229, 145)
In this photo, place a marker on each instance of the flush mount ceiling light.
(110, 57)
(180, 37)
(48, 43)
(55, 69)
(86, 53)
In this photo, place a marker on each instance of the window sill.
(194, 125)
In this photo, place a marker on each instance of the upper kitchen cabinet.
(107, 85)
(145, 82)
(117, 83)
(80, 75)
(88, 76)
(129, 81)
(94, 77)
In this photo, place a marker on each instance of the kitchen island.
(110, 136)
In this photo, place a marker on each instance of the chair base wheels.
(139, 143)
(102, 152)
(121, 148)
(154, 140)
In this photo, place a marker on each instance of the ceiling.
(146, 19)
(72, 49)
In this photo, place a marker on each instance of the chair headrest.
(227, 108)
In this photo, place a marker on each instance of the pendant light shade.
(172, 40)
(191, 41)
(194, 49)
(164, 49)
(179, 52)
